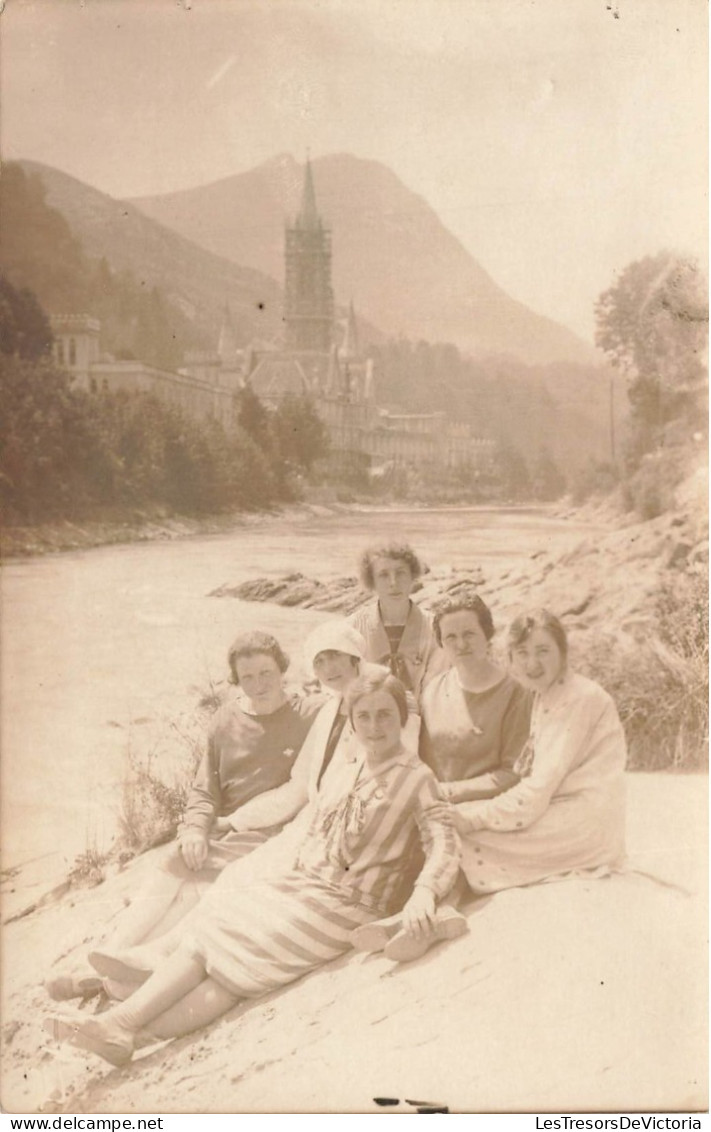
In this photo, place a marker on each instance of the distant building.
(76, 342)
(76, 349)
(320, 356)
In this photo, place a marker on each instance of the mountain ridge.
(380, 229)
(200, 282)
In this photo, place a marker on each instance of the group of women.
(428, 775)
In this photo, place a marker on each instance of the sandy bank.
(578, 995)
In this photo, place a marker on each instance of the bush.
(660, 684)
(595, 479)
(158, 781)
(649, 491)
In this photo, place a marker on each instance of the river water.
(96, 642)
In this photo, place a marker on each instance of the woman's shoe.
(119, 966)
(94, 1035)
(118, 992)
(405, 946)
(63, 987)
(374, 936)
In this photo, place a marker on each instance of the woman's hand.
(222, 825)
(418, 913)
(193, 846)
(462, 824)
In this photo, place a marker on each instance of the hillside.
(198, 282)
(562, 408)
(404, 270)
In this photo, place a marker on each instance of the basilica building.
(319, 356)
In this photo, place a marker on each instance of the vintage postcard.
(353, 468)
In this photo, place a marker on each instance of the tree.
(652, 324)
(24, 327)
(44, 440)
(300, 433)
(254, 418)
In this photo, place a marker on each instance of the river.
(95, 642)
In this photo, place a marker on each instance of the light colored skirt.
(576, 833)
(259, 937)
(221, 852)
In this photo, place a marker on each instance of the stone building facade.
(76, 349)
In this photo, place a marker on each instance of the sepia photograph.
(354, 488)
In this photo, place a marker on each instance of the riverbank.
(53, 538)
(633, 597)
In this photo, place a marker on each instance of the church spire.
(308, 293)
(308, 214)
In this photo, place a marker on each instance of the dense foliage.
(24, 327)
(66, 453)
(653, 325)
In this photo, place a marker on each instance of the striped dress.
(253, 939)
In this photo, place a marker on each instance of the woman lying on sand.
(254, 940)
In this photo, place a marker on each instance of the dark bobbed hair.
(251, 644)
(369, 683)
(521, 628)
(401, 551)
(464, 600)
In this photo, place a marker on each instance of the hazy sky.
(558, 139)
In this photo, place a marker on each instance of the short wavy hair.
(252, 644)
(401, 551)
(371, 682)
(521, 628)
(465, 599)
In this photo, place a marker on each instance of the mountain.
(198, 282)
(404, 270)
